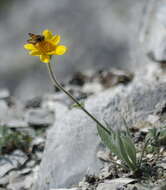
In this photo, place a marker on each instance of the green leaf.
(119, 144)
(78, 106)
(130, 149)
(107, 139)
(122, 151)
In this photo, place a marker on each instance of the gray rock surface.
(3, 110)
(114, 184)
(109, 37)
(13, 161)
(155, 33)
(4, 93)
(39, 117)
(98, 34)
(65, 189)
(20, 182)
(72, 142)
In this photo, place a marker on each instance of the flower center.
(45, 46)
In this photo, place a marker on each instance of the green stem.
(60, 87)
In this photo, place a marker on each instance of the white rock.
(65, 189)
(72, 142)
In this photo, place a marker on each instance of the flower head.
(45, 46)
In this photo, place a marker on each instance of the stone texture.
(13, 161)
(72, 142)
(3, 110)
(65, 189)
(4, 94)
(136, 102)
(107, 186)
(155, 39)
(39, 117)
(108, 37)
(114, 184)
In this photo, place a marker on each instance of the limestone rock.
(157, 32)
(13, 161)
(39, 117)
(114, 184)
(72, 142)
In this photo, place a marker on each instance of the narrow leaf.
(107, 139)
(130, 149)
(122, 151)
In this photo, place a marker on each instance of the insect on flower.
(35, 38)
(45, 45)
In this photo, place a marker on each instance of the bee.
(35, 38)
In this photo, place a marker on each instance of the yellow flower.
(45, 46)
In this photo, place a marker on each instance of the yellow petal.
(47, 34)
(56, 39)
(35, 53)
(60, 50)
(45, 58)
(29, 47)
